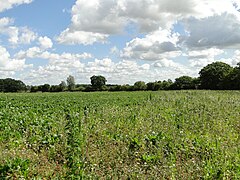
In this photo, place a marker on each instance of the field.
(122, 135)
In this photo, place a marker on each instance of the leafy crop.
(122, 135)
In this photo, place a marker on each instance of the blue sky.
(44, 41)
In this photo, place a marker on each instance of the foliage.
(70, 83)
(18, 166)
(213, 75)
(232, 80)
(139, 85)
(159, 85)
(11, 85)
(98, 82)
(44, 88)
(184, 82)
(62, 85)
(120, 135)
(56, 88)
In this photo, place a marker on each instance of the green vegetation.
(120, 135)
(12, 85)
(215, 76)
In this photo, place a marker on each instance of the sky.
(45, 41)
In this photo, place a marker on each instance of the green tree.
(139, 86)
(70, 83)
(151, 86)
(62, 85)
(184, 82)
(213, 75)
(45, 88)
(55, 88)
(232, 81)
(34, 89)
(166, 85)
(11, 85)
(98, 82)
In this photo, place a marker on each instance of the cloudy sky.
(44, 41)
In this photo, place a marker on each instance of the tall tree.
(45, 88)
(232, 81)
(62, 85)
(184, 82)
(11, 85)
(213, 75)
(139, 85)
(70, 83)
(98, 82)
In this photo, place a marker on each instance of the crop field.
(120, 135)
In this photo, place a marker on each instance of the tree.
(213, 75)
(70, 83)
(139, 85)
(62, 85)
(34, 89)
(11, 85)
(151, 86)
(98, 82)
(184, 82)
(166, 85)
(232, 81)
(45, 88)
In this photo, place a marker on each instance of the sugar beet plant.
(120, 135)
(74, 145)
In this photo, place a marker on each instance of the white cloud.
(16, 35)
(232, 61)
(7, 64)
(45, 42)
(170, 65)
(36, 52)
(222, 31)
(98, 18)
(157, 45)
(5, 21)
(114, 50)
(81, 37)
(162, 31)
(166, 63)
(201, 58)
(26, 36)
(207, 53)
(8, 4)
(59, 66)
(115, 72)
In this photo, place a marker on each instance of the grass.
(121, 135)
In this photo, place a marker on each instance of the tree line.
(214, 76)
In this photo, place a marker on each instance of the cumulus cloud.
(115, 72)
(59, 66)
(16, 35)
(72, 37)
(232, 61)
(45, 42)
(36, 52)
(8, 4)
(114, 50)
(201, 58)
(7, 64)
(222, 31)
(174, 69)
(5, 21)
(157, 45)
(196, 32)
(99, 19)
(97, 16)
